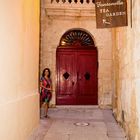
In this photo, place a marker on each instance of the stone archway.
(77, 70)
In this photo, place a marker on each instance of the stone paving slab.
(61, 125)
(88, 136)
(117, 139)
(40, 132)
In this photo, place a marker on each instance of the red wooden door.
(87, 77)
(76, 77)
(66, 74)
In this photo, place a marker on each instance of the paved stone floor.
(78, 123)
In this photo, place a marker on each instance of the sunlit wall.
(19, 60)
(127, 73)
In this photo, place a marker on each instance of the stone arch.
(77, 36)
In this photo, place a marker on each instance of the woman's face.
(46, 72)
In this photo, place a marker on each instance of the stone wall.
(126, 76)
(55, 21)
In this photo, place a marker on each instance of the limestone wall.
(19, 50)
(127, 78)
(55, 21)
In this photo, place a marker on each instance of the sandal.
(46, 116)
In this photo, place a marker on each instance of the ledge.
(85, 12)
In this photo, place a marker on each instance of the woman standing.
(46, 88)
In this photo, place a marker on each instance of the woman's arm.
(42, 86)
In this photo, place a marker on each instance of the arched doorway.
(77, 67)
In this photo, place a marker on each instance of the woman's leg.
(46, 109)
(43, 110)
(47, 100)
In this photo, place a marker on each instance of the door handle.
(72, 83)
(78, 77)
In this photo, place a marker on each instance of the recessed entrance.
(77, 69)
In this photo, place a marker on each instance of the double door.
(77, 82)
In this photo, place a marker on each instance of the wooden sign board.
(111, 13)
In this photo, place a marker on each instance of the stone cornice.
(86, 10)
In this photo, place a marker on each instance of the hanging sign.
(111, 13)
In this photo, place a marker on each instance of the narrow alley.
(79, 123)
(80, 58)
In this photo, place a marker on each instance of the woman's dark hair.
(43, 73)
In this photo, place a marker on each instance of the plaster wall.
(19, 59)
(54, 23)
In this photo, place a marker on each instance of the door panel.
(76, 77)
(66, 78)
(87, 77)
